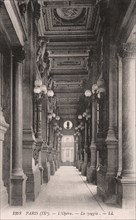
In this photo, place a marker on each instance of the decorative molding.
(127, 50)
(23, 6)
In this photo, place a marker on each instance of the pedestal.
(84, 165)
(46, 165)
(52, 164)
(31, 166)
(18, 189)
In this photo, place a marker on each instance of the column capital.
(127, 50)
(18, 53)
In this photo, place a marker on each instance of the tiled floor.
(67, 196)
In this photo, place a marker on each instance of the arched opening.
(67, 150)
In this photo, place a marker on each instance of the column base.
(33, 184)
(46, 173)
(80, 165)
(84, 169)
(56, 165)
(18, 190)
(46, 165)
(52, 166)
(3, 197)
(91, 175)
(106, 188)
(126, 191)
(41, 173)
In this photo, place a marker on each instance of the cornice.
(15, 18)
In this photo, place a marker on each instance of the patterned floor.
(67, 196)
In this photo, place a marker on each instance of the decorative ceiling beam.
(62, 3)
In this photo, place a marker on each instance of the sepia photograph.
(67, 109)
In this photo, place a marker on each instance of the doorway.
(67, 150)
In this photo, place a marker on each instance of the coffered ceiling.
(73, 28)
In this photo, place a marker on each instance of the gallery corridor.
(67, 196)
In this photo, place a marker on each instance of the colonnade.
(30, 138)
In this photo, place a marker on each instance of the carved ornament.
(23, 6)
(127, 50)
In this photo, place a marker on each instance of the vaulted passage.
(67, 105)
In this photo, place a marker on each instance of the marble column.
(127, 184)
(91, 171)
(18, 178)
(3, 128)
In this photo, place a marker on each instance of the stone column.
(39, 139)
(51, 158)
(111, 141)
(3, 128)
(55, 148)
(44, 153)
(91, 171)
(30, 153)
(81, 150)
(84, 165)
(18, 178)
(127, 185)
